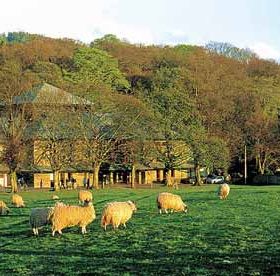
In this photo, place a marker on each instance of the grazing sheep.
(117, 213)
(17, 201)
(55, 197)
(67, 216)
(84, 196)
(170, 201)
(40, 217)
(223, 191)
(4, 210)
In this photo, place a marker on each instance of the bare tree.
(104, 125)
(54, 138)
(14, 119)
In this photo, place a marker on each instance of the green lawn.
(238, 236)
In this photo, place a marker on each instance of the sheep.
(223, 191)
(4, 210)
(67, 216)
(55, 197)
(17, 201)
(117, 213)
(40, 217)
(84, 196)
(170, 201)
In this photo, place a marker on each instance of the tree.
(137, 146)
(207, 151)
(47, 72)
(105, 40)
(133, 152)
(3, 39)
(54, 138)
(94, 65)
(17, 37)
(230, 51)
(14, 119)
(101, 126)
(263, 140)
(174, 108)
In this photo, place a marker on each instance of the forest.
(216, 99)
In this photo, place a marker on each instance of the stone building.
(38, 171)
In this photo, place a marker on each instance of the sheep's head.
(132, 205)
(88, 203)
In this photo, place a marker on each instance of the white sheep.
(223, 191)
(168, 201)
(84, 196)
(40, 217)
(4, 210)
(117, 213)
(68, 216)
(17, 200)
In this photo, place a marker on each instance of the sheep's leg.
(34, 231)
(124, 225)
(53, 232)
(171, 211)
(166, 211)
(84, 230)
(160, 211)
(60, 232)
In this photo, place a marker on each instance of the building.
(37, 169)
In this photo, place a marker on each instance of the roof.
(160, 165)
(47, 94)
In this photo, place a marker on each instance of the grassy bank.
(237, 236)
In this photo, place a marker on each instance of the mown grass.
(238, 236)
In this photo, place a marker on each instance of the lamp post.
(245, 164)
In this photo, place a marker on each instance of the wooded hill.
(215, 98)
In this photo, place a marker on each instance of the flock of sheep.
(114, 213)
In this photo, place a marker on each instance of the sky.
(253, 24)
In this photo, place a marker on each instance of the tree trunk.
(261, 164)
(95, 177)
(14, 184)
(169, 179)
(56, 180)
(133, 174)
(197, 175)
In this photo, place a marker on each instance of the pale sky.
(245, 23)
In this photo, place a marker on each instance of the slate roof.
(47, 94)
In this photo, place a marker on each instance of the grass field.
(238, 236)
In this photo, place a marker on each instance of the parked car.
(192, 179)
(215, 179)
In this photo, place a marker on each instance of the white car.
(215, 179)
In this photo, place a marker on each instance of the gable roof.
(49, 95)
